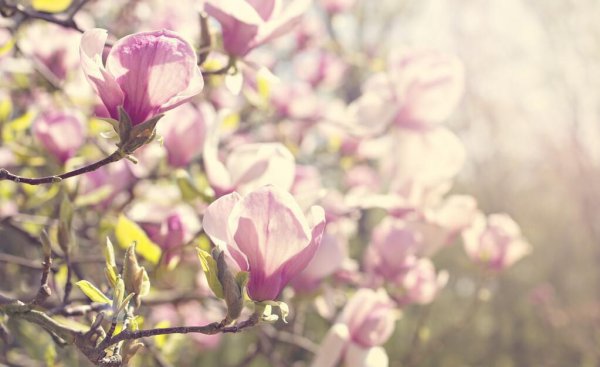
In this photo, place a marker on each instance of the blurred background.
(530, 120)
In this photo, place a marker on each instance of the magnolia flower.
(184, 132)
(495, 242)
(248, 166)
(146, 73)
(53, 46)
(419, 90)
(366, 323)
(392, 246)
(247, 24)
(61, 133)
(266, 234)
(420, 283)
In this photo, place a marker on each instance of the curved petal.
(216, 218)
(104, 84)
(332, 348)
(296, 264)
(280, 24)
(239, 24)
(196, 85)
(356, 356)
(215, 222)
(216, 172)
(153, 69)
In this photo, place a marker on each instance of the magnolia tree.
(256, 172)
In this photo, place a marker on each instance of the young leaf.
(51, 6)
(209, 266)
(128, 232)
(92, 292)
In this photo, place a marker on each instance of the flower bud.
(135, 276)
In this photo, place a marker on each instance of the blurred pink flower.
(420, 284)
(184, 132)
(53, 46)
(248, 166)
(320, 68)
(146, 73)
(419, 90)
(61, 133)
(112, 181)
(247, 24)
(169, 225)
(337, 6)
(296, 101)
(266, 234)
(495, 242)
(393, 245)
(366, 323)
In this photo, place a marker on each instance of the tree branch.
(114, 157)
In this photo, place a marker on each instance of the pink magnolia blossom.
(53, 46)
(420, 283)
(247, 24)
(392, 246)
(184, 132)
(366, 323)
(248, 166)
(495, 242)
(419, 90)
(61, 133)
(266, 234)
(146, 73)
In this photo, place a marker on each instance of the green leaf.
(187, 188)
(111, 266)
(51, 6)
(94, 197)
(92, 292)
(209, 266)
(128, 232)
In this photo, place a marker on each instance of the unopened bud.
(135, 276)
(231, 290)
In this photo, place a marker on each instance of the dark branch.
(210, 329)
(5, 175)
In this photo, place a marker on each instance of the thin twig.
(5, 175)
(27, 13)
(210, 329)
(44, 292)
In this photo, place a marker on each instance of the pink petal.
(332, 348)
(281, 24)
(104, 84)
(255, 165)
(239, 24)
(215, 223)
(155, 71)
